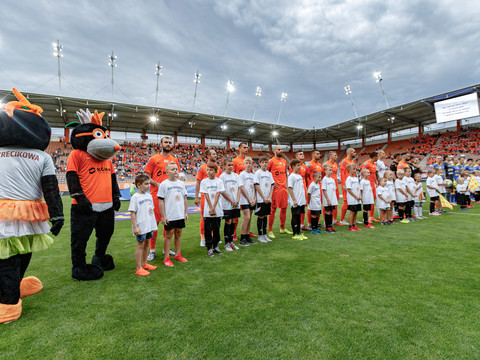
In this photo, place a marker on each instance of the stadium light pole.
(257, 95)
(158, 73)
(58, 53)
(113, 64)
(196, 80)
(230, 89)
(348, 91)
(283, 98)
(378, 76)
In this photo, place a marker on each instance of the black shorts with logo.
(175, 224)
(262, 209)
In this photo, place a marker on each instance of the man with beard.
(300, 156)
(156, 169)
(315, 165)
(347, 160)
(332, 161)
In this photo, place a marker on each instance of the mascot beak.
(117, 148)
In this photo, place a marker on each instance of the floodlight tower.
(158, 73)
(58, 53)
(283, 98)
(196, 80)
(113, 64)
(230, 89)
(348, 91)
(378, 76)
(257, 95)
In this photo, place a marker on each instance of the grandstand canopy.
(60, 110)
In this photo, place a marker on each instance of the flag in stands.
(445, 203)
(473, 183)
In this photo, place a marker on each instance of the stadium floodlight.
(257, 95)
(153, 118)
(283, 98)
(359, 126)
(114, 114)
(274, 133)
(348, 91)
(158, 73)
(196, 80)
(251, 130)
(113, 64)
(230, 89)
(378, 76)
(224, 127)
(58, 53)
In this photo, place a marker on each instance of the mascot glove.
(116, 204)
(56, 226)
(84, 205)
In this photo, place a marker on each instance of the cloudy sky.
(306, 48)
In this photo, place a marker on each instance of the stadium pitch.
(394, 292)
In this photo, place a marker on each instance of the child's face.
(328, 171)
(263, 165)
(366, 174)
(417, 177)
(408, 172)
(460, 180)
(317, 177)
(211, 172)
(389, 176)
(296, 168)
(143, 187)
(430, 174)
(248, 165)
(229, 167)
(172, 171)
(382, 182)
(400, 175)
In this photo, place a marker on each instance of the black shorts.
(411, 203)
(434, 198)
(315, 212)
(400, 204)
(263, 209)
(367, 207)
(245, 207)
(298, 210)
(175, 224)
(329, 208)
(231, 214)
(355, 208)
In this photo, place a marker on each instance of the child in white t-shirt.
(441, 186)
(418, 196)
(247, 200)
(354, 197)
(297, 194)
(401, 194)
(143, 223)
(264, 183)
(330, 202)
(212, 187)
(315, 201)
(173, 206)
(409, 183)
(390, 185)
(476, 174)
(367, 196)
(462, 193)
(432, 189)
(230, 200)
(383, 201)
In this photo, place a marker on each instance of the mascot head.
(89, 135)
(21, 124)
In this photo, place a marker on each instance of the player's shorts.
(329, 208)
(298, 210)
(231, 214)
(315, 212)
(247, 207)
(280, 198)
(367, 207)
(144, 237)
(385, 208)
(400, 203)
(434, 198)
(355, 208)
(175, 224)
(262, 209)
(418, 203)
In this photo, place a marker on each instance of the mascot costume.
(93, 186)
(27, 174)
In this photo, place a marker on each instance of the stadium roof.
(60, 110)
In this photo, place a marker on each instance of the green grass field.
(407, 291)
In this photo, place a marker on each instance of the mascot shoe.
(9, 313)
(29, 286)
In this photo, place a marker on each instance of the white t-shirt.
(381, 168)
(353, 184)
(462, 188)
(295, 181)
(409, 182)
(315, 197)
(439, 180)
(417, 191)
(264, 180)
(400, 184)
(391, 189)
(367, 193)
(173, 194)
(21, 172)
(329, 186)
(142, 205)
(432, 182)
(478, 179)
(246, 180)
(384, 193)
(210, 188)
(231, 183)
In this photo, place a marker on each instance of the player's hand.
(197, 201)
(329, 203)
(295, 204)
(136, 231)
(268, 200)
(275, 186)
(234, 204)
(252, 203)
(164, 221)
(186, 216)
(212, 212)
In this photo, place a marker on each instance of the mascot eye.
(107, 134)
(98, 134)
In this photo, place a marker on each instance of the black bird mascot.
(92, 184)
(27, 174)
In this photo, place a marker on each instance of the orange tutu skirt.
(25, 210)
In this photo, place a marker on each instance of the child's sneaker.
(303, 236)
(142, 272)
(168, 262)
(202, 242)
(297, 237)
(149, 267)
(405, 221)
(339, 223)
(352, 228)
(151, 255)
(261, 238)
(358, 229)
(285, 231)
(234, 247)
(267, 239)
(252, 235)
(180, 258)
(271, 235)
(251, 241)
(228, 247)
(210, 252)
(217, 251)
(330, 230)
(244, 243)
(434, 214)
